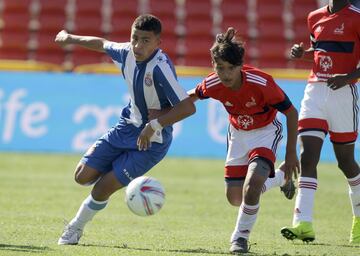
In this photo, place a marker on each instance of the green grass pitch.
(37, 194)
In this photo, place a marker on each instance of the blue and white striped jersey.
(152, 84)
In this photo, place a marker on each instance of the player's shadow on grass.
(24, 248)
(126, 247)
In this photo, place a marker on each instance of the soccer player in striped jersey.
(330, 105)
(252, 98)
(143, 134)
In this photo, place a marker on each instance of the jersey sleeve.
(165, 77)
(277, 98)
(201, 90)
(310, 31)
(117, 51)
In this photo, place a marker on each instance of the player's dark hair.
(227, 48)
(148, 22)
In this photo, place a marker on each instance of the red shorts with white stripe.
(245, 146)
(325, 110)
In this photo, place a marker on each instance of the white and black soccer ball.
(145, 196)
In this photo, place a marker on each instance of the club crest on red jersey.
(325, 63)
(245, 121)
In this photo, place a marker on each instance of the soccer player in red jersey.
(330, 105)
(252, 99)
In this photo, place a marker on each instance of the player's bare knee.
(252, 194)
(78, 174)
(234, 200)
(307, 161)
(86, 176)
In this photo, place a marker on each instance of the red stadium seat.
(269, 9)
(16, 6)
(198, 9)
(11, 54)
(15, 21)
(53, 7)
(45, 41)
(121, 25)
(198, 20)
(50, 56)
(13, 39)
(88, 25)
(169, 44)
(301, 33)
(120, 38)
(86, 7)
(202, 29)
(197, 52)
(271, 54)
(234, 14)
(269, 22)
(81, 56)
(14, 45)
(271, 29)
(301, 9)
(163, 8)
(118, 8)
(51, 23)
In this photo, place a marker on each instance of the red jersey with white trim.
(335, 38)
(253, 105)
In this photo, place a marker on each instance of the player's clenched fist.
(62, 38)
(297, 51)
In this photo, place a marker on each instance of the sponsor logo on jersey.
(251, 103)
(339, 30)
(245, 121)
(325, 63)
(148, 79)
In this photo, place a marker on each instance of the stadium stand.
(168, 12)
(229, 16)
(28, 28)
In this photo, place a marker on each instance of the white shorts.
(325, 110)
(245, 146)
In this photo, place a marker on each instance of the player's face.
(228, 73)
(143, 43)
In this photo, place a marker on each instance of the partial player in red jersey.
(252, 99)
(330, 105)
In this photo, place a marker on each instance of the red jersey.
(253, 105)
(335, 39)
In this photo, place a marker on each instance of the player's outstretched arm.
(63, 38)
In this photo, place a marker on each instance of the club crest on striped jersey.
(148, 79)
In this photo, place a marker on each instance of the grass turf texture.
(37, 193)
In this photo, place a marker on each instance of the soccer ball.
(145, 196)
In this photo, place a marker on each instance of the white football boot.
(70, 236)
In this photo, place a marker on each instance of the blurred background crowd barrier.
(61, 100)
(67, 112)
